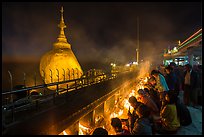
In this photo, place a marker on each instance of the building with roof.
(189, 51)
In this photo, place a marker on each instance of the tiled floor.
(195, 128)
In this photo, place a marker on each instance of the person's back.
(163, 82)
(170, 78)
(142, 125)
(169, 117)
(178, 74)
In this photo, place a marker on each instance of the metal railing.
(10, 108)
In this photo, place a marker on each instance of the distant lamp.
(169, 51)
(113, 64)
(175, 49)
(127, 65)
(179, 42)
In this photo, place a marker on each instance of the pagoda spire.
(62, 40)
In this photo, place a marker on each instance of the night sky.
(98, 32)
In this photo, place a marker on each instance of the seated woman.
(168, 122)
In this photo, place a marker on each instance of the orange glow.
(83, 130)
(65, 133)
(62, 65)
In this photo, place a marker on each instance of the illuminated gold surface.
(60, 63)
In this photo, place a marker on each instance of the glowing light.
(83, 129)
(126, 104)
(120, 112)
(116, 114)
(169, 51)
(135, 63)
(65, 133)
(174, 50)
(140, 87)
(132, 93)
(146, 79)
(127, 65)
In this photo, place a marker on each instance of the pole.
(138, 47)
(137, 55)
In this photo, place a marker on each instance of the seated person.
(168, 122)
(133, 116)
(153, 92)
(117, 125)
(142, 125)
(154, 96)
(145, 99)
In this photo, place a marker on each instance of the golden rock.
(60, 63)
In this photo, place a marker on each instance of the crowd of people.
(158, 108)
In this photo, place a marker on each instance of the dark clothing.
(142, 126)
(183, 114)
(133, 117)
(190, 90)
(193, 79)
(186, 95)
(155, 97)
(179, 78)
(148, 101)
(199, 89)
(171, 80)
(124, 132)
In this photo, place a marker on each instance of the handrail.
(50, 84)
(90, 80)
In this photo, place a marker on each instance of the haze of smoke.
(144, 69)
(122, 51)
(84, 48)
